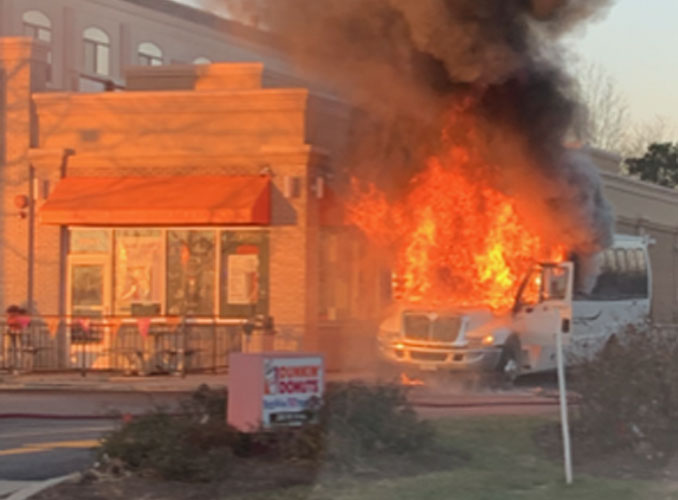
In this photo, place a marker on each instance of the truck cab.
(549, 301)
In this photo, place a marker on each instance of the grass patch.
(505, 463)
(479, 458)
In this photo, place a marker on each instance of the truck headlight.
(488, 340)
(484, 341)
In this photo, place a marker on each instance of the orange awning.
(167, 200)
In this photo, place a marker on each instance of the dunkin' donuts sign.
(293, 389)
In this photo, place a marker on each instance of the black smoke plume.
(407, 63)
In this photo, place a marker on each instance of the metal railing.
(134, 346)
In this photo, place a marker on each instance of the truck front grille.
(431, 327)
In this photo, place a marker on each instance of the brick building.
(91, 42)
(203, 198)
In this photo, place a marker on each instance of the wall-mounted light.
(291, 186)
(266, 170)
(319, 187)
(21, 201)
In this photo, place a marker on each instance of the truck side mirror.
(565, 325)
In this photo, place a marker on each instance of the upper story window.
(201, 60)
(149, 54)
(39, 27)
(97, 46)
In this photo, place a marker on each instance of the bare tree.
(641, 135)
(607, 118)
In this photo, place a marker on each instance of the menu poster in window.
(138, 268)
(243, 279)
(190, 272)
(293, 390)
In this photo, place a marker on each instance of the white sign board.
(293, 390)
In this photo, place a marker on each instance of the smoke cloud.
(408, 64)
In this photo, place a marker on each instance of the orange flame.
(409, 381)
(457, 240)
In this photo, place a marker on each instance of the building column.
(23, 70)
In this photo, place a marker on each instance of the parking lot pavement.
(37, 449)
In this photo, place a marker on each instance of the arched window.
(201, 60)
(38, 26)
(149, 54)
(97, 46)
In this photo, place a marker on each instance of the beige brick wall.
(643, 208)
(171, 132)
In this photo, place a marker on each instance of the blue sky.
(636, 43)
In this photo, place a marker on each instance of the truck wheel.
(509, 362)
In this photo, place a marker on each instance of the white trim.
(638, 187)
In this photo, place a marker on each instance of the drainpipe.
(30, 278)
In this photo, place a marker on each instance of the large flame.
(456, 240)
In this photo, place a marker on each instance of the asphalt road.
(33, 449)
(42, 448)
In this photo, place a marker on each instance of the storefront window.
(190, 272)
(90, 241)
(138, 271)
(244, 274)
(152, 271)
(87, 285)
(335, 275)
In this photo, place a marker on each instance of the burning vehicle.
(522, 340)
(464, 170)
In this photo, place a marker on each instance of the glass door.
(89, 302)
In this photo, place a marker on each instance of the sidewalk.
(71, 396)
(94, 382)
(97, 382)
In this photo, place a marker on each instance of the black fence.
(132, 346)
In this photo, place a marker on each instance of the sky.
(633, 42)
(636, 43)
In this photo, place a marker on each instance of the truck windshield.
(542, 283)
(554, 283)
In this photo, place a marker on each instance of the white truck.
(420, 338)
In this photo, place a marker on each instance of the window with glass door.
(97, 52)
(149, 54)
(39, 27)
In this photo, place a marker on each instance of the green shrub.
(355, 421)
(372, 418)
(629, 393)
(195, 445)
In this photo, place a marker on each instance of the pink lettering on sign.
(298, 371)
(298, 386)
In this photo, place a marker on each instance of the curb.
(57, 416)
(416, 404)
(34, 489)
(101, 390)
(486, 404)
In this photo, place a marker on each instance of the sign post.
(562, 392)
